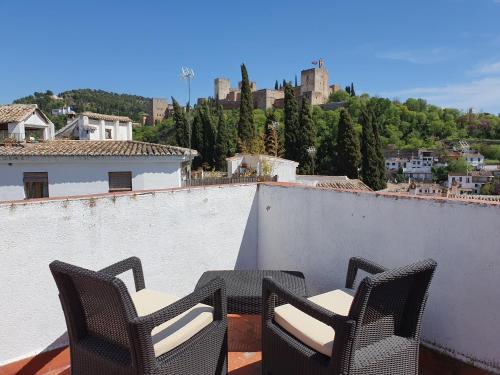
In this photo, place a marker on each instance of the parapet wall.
(318, 230)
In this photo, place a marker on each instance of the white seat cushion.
(174, 332)
(308, 330)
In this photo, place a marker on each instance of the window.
(36, 185)
(109, 134)
(120, 181)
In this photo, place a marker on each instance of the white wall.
(317, 231)
(177, 234)
(73, 176)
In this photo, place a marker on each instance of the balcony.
(181, 233)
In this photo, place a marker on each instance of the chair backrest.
(391, 303)
(95, 305)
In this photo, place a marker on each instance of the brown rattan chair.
(372, 330)
(112, 331)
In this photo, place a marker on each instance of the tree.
(348, 149)
(339, 96)
(276, 85)
(180, 125)
(272, 138)
(296, 84)
(223, 142)
(369, 160)
(292, 125)
(382, 181)
(284, 83)
(307, 137)
(197, 137)
(208, 148)
(246, 129)
(351, 91)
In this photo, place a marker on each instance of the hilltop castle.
(313, 86)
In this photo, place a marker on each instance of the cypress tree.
(284, 83)
(292, 125)
(197, 137)
(222, 143)
(180, 125)
(246, 129)
(348, 149)
(351, 90)
(369, 166)
(276, 85)
(208, 146)
(296, 80)
(307, 137)
(382, 183)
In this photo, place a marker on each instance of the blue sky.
(447, 51)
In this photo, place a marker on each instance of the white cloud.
(422, 56)
(482, 94)
(489, 68)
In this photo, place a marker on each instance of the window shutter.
(120, 181)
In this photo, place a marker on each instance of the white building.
(24, 122)
(468, 183)
(474, 159)
(262, 165)
(64, 111)
(97, 127)
(67, 168)
(420, 167)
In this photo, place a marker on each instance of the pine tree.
(246, 129)
(180, 125)
(348, 149)
(271, 136)
(223, 142)
(307, 137)
(276, 85)
(369, 165)
(351, 90)
(292, 125)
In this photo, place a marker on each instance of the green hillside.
(89, 100)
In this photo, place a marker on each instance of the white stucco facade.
(322, 229)
(179, 234)
(93, 129)
(18, 130)
(88, 175)
(262, 164)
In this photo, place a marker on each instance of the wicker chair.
(147, 332)
(373, 330)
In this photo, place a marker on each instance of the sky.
(445, 51)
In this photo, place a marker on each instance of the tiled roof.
(100, 116)
(484, 173)
(351, 184)
(16, 112)
(91, 149)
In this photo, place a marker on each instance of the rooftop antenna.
(187, 74)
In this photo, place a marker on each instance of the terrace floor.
(240, 363)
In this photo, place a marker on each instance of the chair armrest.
(271, 287)
(215, 288)
(132, 263)
(364, 264)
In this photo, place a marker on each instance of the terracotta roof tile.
(100, 116)
(16, 112)
(351, 184)
(91, 148)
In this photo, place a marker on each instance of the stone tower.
(222, 86)
(314, 83)
(157, 111)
